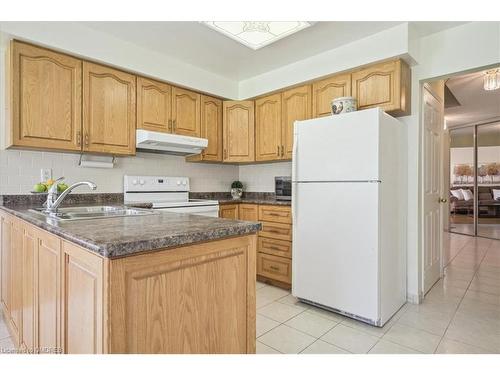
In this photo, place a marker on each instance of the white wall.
(20, 170)
(260, 177)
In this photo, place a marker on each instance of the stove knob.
(178, 183)
(142, 182)
(184, 183)
(134, 182)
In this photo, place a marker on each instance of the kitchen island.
(159, 283)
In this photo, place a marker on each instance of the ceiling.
(195, 44)
(477, 104)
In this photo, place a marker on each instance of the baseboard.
(415, 299)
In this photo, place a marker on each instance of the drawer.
(277, 231)
(228, 211)
(249, 212)
(276, 214)
(273, 267)
(275, 247)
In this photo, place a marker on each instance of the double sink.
(91, 212)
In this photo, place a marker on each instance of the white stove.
(166, 194)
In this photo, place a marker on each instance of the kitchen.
(156, 147)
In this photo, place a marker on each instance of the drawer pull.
(275, 248)
(274, 268)
(275, 214)
(276, 231)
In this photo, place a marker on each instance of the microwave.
(283, 188)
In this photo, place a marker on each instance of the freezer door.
(335, 246)
(338, 148)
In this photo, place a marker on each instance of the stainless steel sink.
(92, 212)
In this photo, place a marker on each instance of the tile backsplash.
(20, 170)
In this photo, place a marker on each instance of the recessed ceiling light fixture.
(492, 80)
(257, 34)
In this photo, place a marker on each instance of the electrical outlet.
(45, 174)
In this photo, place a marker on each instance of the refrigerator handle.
(294, 174)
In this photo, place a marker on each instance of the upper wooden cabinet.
(268, 144)
(46, 99)
(238, 131)
(186, 112)
(385, 85)
(108, 110)
(154, 105)
(324, 91)
(211, 129)
(296, 106)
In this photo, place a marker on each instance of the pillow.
(467, 194)
(496, 194)
(457, 194)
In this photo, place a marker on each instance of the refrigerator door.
(338, 148)
(335, 246)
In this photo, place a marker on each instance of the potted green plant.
(236, 189)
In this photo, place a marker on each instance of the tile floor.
(460, 314)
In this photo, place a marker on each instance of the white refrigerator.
(349, 222)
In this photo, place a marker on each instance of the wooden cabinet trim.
(268, 125)
(156, 124)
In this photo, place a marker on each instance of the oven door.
(212, 211)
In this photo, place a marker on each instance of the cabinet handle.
(278, 150)
(175, 125)
(225, 154)
(78, 138)
(282, 150)
(274, 214)
(274, 268)
(170, 125)
(86, 139)
(275, 248)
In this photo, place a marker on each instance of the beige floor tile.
(259, 285)
(387, 347)
(322, 347)
(475, 296)
(265, 324)
(291, 300)
(311, 324)
(4, 332)
(413, 338)
(272, 292)
(485, 285)
(454, 347)
(367, 328)
(7, 346)
(474, 332)
(286, 340)
(264, 349)
(350, 339)
(279, 311)
(434, 322)
(326, 314)
(263, 301)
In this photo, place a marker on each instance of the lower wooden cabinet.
(60, 298)
(229, 211)
(274, 267)
(248, 212)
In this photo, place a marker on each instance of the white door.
(432, 225)
(335, 246)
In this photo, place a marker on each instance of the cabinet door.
(30, 244)
(326, 90)
(82, 301)
(268, 128)
(108, 110)
(384, 85)
(296, 106)
(228, 211)
(248, 212)
(186, 112)
(211, 127)
(6, 265)
(46, 99)
(16, 279)
(238, 131)
(48, 284)
(154, 105)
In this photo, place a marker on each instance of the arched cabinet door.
(186, 112)
(326, 90)
(46, 99)
(238, 131)
(296, 106)
(154, 105)
(109, 120)
(268, 128)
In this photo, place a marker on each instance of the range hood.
(150, 141)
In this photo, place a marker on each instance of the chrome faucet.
(52, 203)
